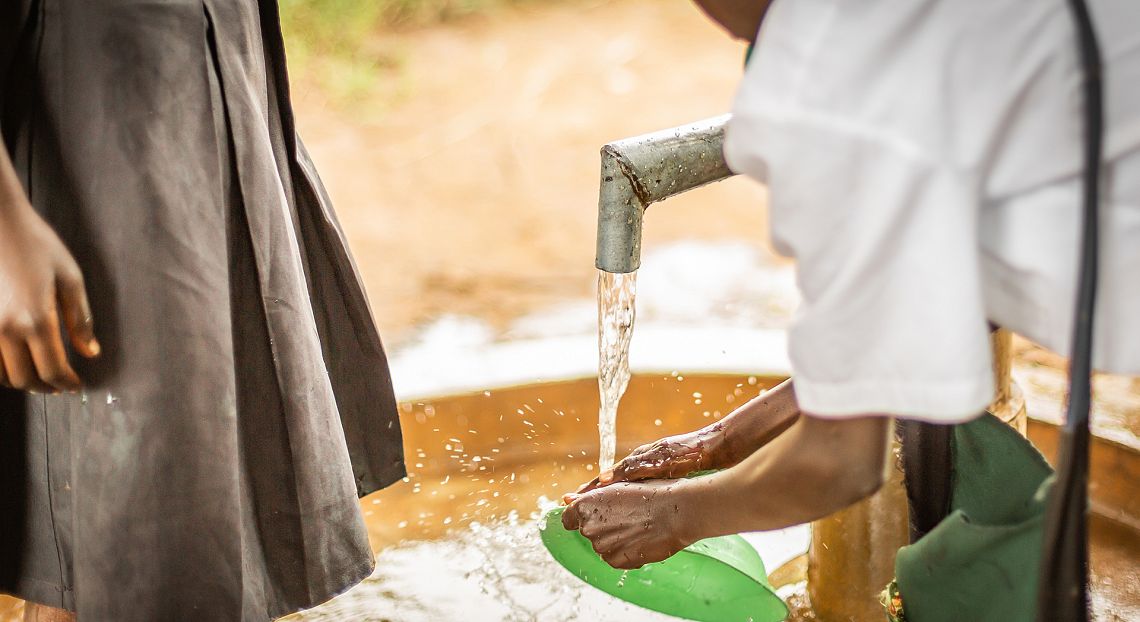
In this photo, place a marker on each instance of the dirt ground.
(467, 177)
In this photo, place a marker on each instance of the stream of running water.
(616, 294)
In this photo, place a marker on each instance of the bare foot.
(42, 613)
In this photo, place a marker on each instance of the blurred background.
(459, 141)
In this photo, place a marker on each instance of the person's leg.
(43, 613)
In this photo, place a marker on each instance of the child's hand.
(668, 458)
(40, 285)
(718, 446)
(630, 525)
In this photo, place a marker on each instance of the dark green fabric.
(980, 563)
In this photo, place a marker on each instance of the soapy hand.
(668, 458)
(633, 524)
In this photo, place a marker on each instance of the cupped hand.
(632, 524)
(41, 288)
(668, 458)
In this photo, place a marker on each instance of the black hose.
(1063, 585)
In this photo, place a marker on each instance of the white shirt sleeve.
(924, 169)
(884, 234)
(891, 318)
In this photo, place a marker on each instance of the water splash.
(497, 570)
(616, 310)
(621, 579)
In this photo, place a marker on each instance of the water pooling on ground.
(616, 311)
(485, 572)
(457, 541)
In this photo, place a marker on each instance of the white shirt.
(923, 159)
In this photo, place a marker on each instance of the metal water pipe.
(640, 171)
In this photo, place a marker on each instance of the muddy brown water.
(455, 540)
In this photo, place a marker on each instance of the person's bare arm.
(817, 467)
(741, 18)
(716, 446)
(40, 286)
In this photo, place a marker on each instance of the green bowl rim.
(764, 582)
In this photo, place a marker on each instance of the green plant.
(333, 42)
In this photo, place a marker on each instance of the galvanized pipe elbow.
(640, 171)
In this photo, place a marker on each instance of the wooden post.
(1009, 402)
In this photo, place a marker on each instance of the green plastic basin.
(715, 580)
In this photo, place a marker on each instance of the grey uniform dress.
(211, 468)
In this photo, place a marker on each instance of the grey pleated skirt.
(211, 468)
